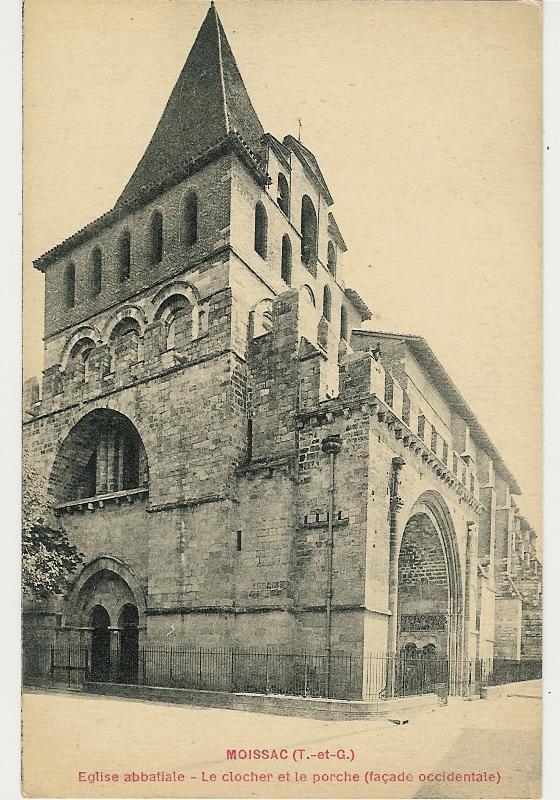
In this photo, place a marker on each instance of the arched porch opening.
(428, 602)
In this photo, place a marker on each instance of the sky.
(425, 118)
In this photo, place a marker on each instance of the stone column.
(395, 504)
(470, 601)
(111, 461)
(101, 464)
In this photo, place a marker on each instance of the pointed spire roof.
(208, 103)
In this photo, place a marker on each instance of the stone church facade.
(233, 453)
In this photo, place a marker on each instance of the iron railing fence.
(374, 676)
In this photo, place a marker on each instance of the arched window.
(331, 258)
(70, 285)
(191, 220)
(78, 357)
(286, 271)
(156, 238)
(308, 292)
(177, 313)
(308, 230)
(124, 327)
(261, 230)
(96, 263)
(327, 303)
(343, 323)
(124, 256)
(283, 194)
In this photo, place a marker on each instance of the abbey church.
(240, 460)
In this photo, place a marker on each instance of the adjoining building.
(240, 462)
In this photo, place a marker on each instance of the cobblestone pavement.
(67, 734)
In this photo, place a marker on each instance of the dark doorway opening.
(128, 655)
(100, 644)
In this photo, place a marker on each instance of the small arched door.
(128, 657)
(100, 644)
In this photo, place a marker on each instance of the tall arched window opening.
(70, 285)
(124, 256)
(191, 220)
(308, 230)
(331, 258)
(327, 303)
(283, 199)
(177, 313)
(261, 230)
(286, 270)
(96, 264)
(343, 324)
(156, 238)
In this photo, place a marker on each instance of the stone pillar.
(101, 464)
(311, 365)
(111, 461)
(395, 504)
(470, 589)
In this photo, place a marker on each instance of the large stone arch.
(76, 446)
(430, 513)
(101, 566)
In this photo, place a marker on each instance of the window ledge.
(99, 500)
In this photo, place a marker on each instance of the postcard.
(282, 405)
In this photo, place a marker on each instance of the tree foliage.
(48, 558)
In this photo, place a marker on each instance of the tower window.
(261, 230)
(283, 194)
(421, 425)
(156, 238)
(389, 389)
(124, 256)
(96, 263)
(327, 303)
(308, 230)
(70, 285)
(331, 258)
(191, 220)
(343, 323)
(286, 271)
(433, 442)
(406, 408)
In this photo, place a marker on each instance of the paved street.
(67, 734)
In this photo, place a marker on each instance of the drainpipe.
(331, 446)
